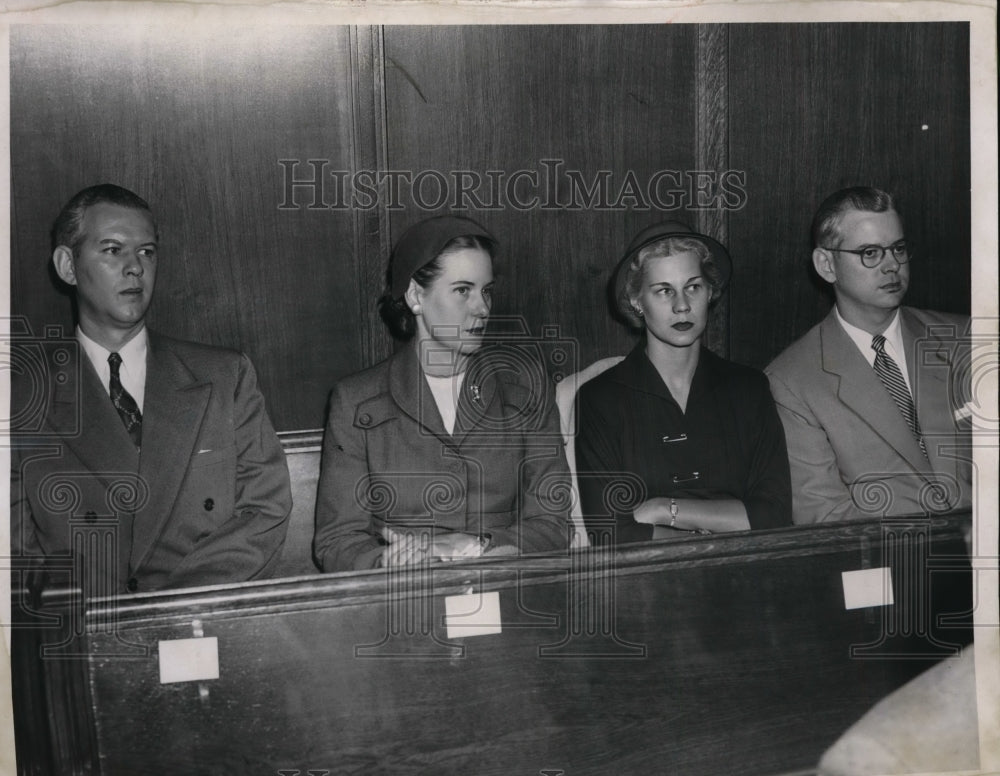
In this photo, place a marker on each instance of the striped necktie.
(128, 410)
(888, 372)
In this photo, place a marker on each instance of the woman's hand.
(409, 547)
(452, 546)
(405, 547)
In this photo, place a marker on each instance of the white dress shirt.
(445, 392)
(893, 344)
(133, 369)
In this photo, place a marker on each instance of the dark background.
(198, 125)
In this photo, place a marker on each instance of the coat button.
(90, 516)
(365, 419)
(209, 505)
(132, 585)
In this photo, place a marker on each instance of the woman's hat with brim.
(423, 242)
(653, 234)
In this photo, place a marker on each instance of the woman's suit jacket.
(852, 454)
(388, 460)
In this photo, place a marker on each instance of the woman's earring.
(638, 311)
(415, 309)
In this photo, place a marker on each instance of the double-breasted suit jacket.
(205, 501)
(851, 452)
(388, 460)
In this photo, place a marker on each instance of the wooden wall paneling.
(198, 124)
(712, 148)
(611, 101)
(371, 223)
(815, 107)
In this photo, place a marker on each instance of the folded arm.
(344, 540)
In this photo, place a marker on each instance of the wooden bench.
(302, 452)
(709, 655)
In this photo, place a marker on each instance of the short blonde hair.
(661, 249)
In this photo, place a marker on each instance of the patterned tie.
(128, 410)
(888, 372)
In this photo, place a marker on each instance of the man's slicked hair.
(68, 227)
(826, 222)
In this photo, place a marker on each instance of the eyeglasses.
(871, 255)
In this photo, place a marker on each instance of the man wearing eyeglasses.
(870, 397)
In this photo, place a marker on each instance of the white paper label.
(189, 660)
(867, 587)
(472, 614)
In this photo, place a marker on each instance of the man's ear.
(414, 295)
(62, 260)
(823, 262)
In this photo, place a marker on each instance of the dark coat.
(387, 459)
(634, 443)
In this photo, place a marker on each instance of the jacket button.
(90, 516)
(209, 505)
(132, 585)
(365, 419)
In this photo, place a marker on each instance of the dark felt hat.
(653, 234)
(423, 242)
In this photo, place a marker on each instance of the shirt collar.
(638, 372)
(133, 352)
(893, 336)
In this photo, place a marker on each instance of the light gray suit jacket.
(852, 454)
(206, 502)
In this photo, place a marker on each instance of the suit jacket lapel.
(639, 374)
(86, 421)
(861, 390)
(174, 406)
(480, 402)
(478, 398)
(930, 369)
(413, 395)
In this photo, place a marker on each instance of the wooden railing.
(709, 655)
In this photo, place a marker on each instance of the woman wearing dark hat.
(696, 439)
(441, 451)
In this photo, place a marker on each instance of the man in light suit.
(150, 462)
(872, 397)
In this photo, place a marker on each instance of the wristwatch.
(673, 512)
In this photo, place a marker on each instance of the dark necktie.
(128, 410)
(888, 372)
